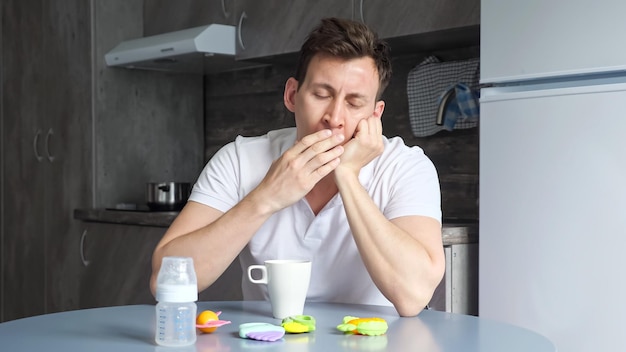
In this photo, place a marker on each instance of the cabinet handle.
(226, 13)
(82, 249)
(35, 144)
(243, 16)
(361, 11)
(48, 135)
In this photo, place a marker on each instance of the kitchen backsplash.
(250, 102)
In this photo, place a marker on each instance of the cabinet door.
(160, 16)
(23, 256)
(66, 94)
(267, 28)
(118, 264)
(47, 119)
(409, 17)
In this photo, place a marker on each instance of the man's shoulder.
(397, 147)
(399, 159)
(271, 145)
(273, 137)
(269, 136)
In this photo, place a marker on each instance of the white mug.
(287, 284)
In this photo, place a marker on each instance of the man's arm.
(404, 256)
(214, 239)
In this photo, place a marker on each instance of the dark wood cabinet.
(22, 249)
(267, 28)
(162, 16)
(117, 264)
(46, 138)
(399, 18)
(70, 145)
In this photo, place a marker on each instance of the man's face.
(336, 94)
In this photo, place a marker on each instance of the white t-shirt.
(402, 181)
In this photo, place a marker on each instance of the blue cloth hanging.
(461, 106)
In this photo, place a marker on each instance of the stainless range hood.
(204, 49)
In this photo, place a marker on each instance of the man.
(363, 208)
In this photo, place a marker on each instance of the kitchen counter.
(452, 232)
(459, 233)
(127, 217)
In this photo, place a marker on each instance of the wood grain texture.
(161, 16)
(120, 265)
(47, 115)
(23, 258)
(67, 96)
(398, 18)
(276, 27)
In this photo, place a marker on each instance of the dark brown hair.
(346, 39)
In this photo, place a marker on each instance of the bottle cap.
(176, 281)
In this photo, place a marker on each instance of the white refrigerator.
(553, 170)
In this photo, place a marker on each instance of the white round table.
(131, 328)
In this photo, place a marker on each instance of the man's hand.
(366, 145)
(299, 169)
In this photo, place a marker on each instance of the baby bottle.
(176, 295)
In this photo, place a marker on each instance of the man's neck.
(322, 193)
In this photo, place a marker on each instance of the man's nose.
(335, 115)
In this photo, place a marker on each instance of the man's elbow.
(413, 306)
(156, 266)
(414, 303)
(153, 285)
(410, 311)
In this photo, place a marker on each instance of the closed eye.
(356, 105)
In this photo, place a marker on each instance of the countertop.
(127, 217)
(453, 232)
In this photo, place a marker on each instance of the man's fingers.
(308, 141)
(322, 159)
(326, 168)
(370, 126)
(313, 145)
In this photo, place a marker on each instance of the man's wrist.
(259, 205)
(345, 176)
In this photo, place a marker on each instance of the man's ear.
(291, 87)
(378, 109)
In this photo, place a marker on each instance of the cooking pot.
(167, 196)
